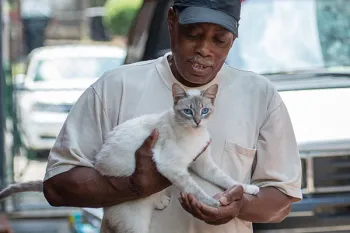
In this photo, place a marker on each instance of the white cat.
(182, 136)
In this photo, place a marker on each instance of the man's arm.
(85, 187)
(269, 206)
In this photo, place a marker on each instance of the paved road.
(30, 212)
(40, 226)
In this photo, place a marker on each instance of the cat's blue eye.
(188, 111)
(205, 111)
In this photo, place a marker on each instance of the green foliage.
(333, 26)
(120, 15)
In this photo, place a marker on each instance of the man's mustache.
(200, 60)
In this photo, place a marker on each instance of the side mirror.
(19, 81)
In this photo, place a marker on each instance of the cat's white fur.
(176, 148)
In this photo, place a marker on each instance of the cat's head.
(194, 107)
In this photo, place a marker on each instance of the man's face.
(199, 50)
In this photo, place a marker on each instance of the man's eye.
(219, 41)
(193, 36)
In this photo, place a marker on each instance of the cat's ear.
(211, 92)
(178, 92)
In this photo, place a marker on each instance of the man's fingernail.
(223, 200)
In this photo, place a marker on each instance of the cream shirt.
(252, 135)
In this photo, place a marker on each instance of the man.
(35, 15)
(252, 136)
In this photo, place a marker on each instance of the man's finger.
(154, 138)
(189, 204)
(195, 206)
(209, 211)
(231, 195)
(219, 222)
(183, 204)
(151, 140)
(222, 212)
(218, 195)
(186, 203)
(210, 215)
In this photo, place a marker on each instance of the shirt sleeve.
(278, 161)
(81, 135)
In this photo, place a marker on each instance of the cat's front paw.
(251, 189)
(162, 202)
(211, 202)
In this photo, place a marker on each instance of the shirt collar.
(168, 78)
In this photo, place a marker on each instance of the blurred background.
(52, 50)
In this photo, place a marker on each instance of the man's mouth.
(199, 68)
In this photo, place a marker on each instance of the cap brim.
(192, 14)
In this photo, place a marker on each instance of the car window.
(74, 68)
(292, 35)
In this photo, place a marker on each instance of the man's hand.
(231, 202)
(146, 179)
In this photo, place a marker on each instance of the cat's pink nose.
(197, 121)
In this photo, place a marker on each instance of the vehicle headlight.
(43, 107)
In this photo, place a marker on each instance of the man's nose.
(203, 48)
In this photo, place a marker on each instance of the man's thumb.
(231, 195)
(152, 139)
(223, 200)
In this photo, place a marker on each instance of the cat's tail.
(31, 186)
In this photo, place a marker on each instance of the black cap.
(225, 13)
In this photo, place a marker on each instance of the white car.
(55, 78)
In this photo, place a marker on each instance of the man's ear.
(234, 38)
(172, 17)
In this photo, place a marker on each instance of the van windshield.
(290, 35)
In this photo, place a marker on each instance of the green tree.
(334, 28)
(120, 15)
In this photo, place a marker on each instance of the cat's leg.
(181, 178)
(130, 217)
(206, 168)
